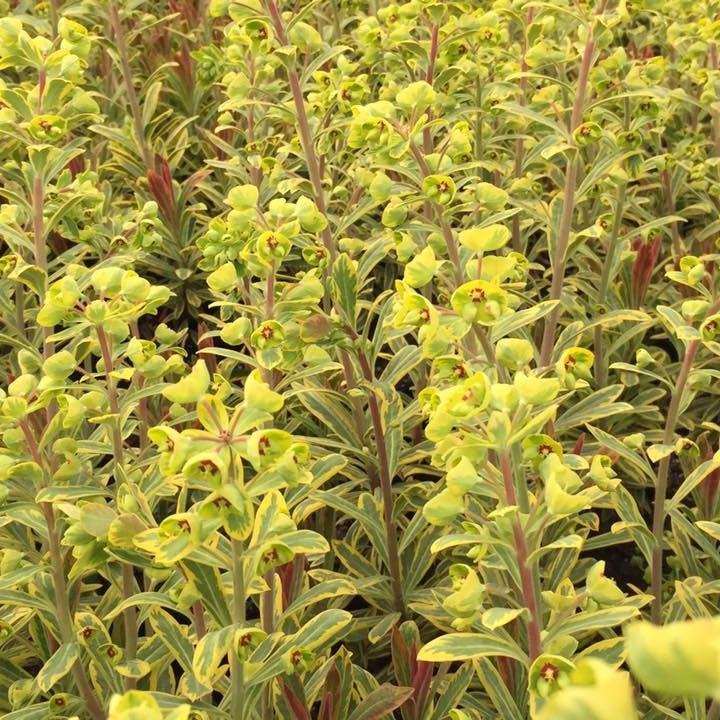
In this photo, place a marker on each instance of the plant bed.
(360, 360)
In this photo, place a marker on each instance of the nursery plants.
(360, 360)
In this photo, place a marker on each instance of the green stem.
(40, 251)
(385, 488)
(62, 605)
(715, 126)
(663, 472)
(306, 138)
(121, 42)
(237, 667)
(559, 260)
(54, 17)
(267, 615)
(64, 616)
(600, 365)
(528, 576)
(128, 580)
(670, 204)
(519, 144)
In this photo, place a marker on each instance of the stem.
(64, 616)
(137, 118)
(675, 233)
(57, 566)
(267, 614)
(600, 369)
(559, 260)
(304, 129)
(519, 143)
(385, 489)
(715, 127)
(237, 668)
(662, 480)
(54, 17)
(528, 579)
(38, 202)
(663, 471)
(113, 398)
(128, 581)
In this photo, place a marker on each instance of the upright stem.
(663, 472)
(600, 365)
(62, 605)
(54, 17)
(267, 615)
(385, 489)
(527, 580)
(128, 580)
(670, 202)
(519, 144)
(315, 173)
(121, 41)
(304, 128)
(560, 257)
(237, 668)
(715, 126)
(38, 204)
(64, 616)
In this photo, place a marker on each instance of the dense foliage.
(360, 360)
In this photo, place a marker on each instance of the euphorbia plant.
(360, 360)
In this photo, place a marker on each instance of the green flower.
(602, 474)
(514, 353)
(479, 301)
(268, 335)
(548, 674)
(602, 590)
(484, 239)
(205, 470)
(574, 364)
(443, 508)
(47, 128)
(272, 246)
(439, 188)
(465, 602)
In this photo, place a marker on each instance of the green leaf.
(58, 666)
(190, 388)
(497, 690)
(210, 652)
(693, 480)
(521, 319)
(327, 625)
(380, 702)
(597, 405)
(382, 628)
(452, 693)
(345, 286)
(592, 621)
(466, 646)
(496, 617)
(152, 599)
(711, 528)
(322, 591)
